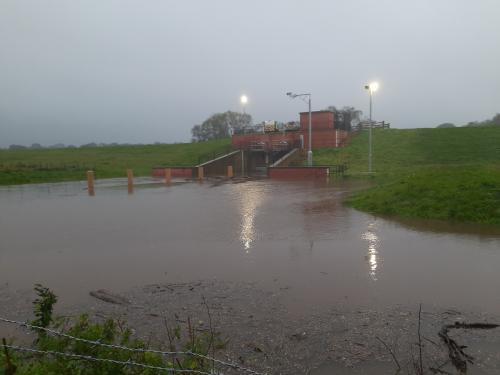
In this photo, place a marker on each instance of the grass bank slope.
(451, 193)
(66, 164)
(398, 150)
(445, 174)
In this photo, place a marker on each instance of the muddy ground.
(264, 335)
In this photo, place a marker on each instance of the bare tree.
(345, 117)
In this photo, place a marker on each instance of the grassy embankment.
(70, 164)
(444, 174)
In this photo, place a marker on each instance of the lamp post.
(372, 87)
(303, 97)
(244, 101)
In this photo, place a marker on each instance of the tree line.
(38, 146)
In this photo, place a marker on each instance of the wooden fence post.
(130, 178)
(230, 171)
(200, 173)
(90, 183)
(168, 176)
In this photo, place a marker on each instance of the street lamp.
(308, 100)
(372, 87)
(244, 101)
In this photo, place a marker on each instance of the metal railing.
(214, 155)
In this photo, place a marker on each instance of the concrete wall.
(176, 172)
(298, 173)
(218, 167)
(294, 157)
(213, 168)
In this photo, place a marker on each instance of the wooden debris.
(456, 352)
(109, 297)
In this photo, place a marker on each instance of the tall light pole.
(244, 101)
(308, 101)
(372, 87)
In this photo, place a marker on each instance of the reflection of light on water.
(251, 199)
(247, 224)
(372, 256)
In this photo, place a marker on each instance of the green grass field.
(398, 150)
(444, 174)
(67, 164)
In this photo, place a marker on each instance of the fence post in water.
(130, 178)
(200, 173)
(242, 163)
(168, 175)
(90, 182)
(229, 171)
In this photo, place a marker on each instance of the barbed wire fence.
(225, 364)
(106, 360)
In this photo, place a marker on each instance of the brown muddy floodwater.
(262, 231)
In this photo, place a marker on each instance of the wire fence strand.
(107, 360)
(136, 350)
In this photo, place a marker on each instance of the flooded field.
(297, 281)
(295, 235)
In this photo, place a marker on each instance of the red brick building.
(277, 153)
(323, 132)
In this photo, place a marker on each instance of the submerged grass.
(69, 164)
(444, 174)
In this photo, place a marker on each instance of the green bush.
(108, 332)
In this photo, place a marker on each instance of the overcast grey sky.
(77, 71)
